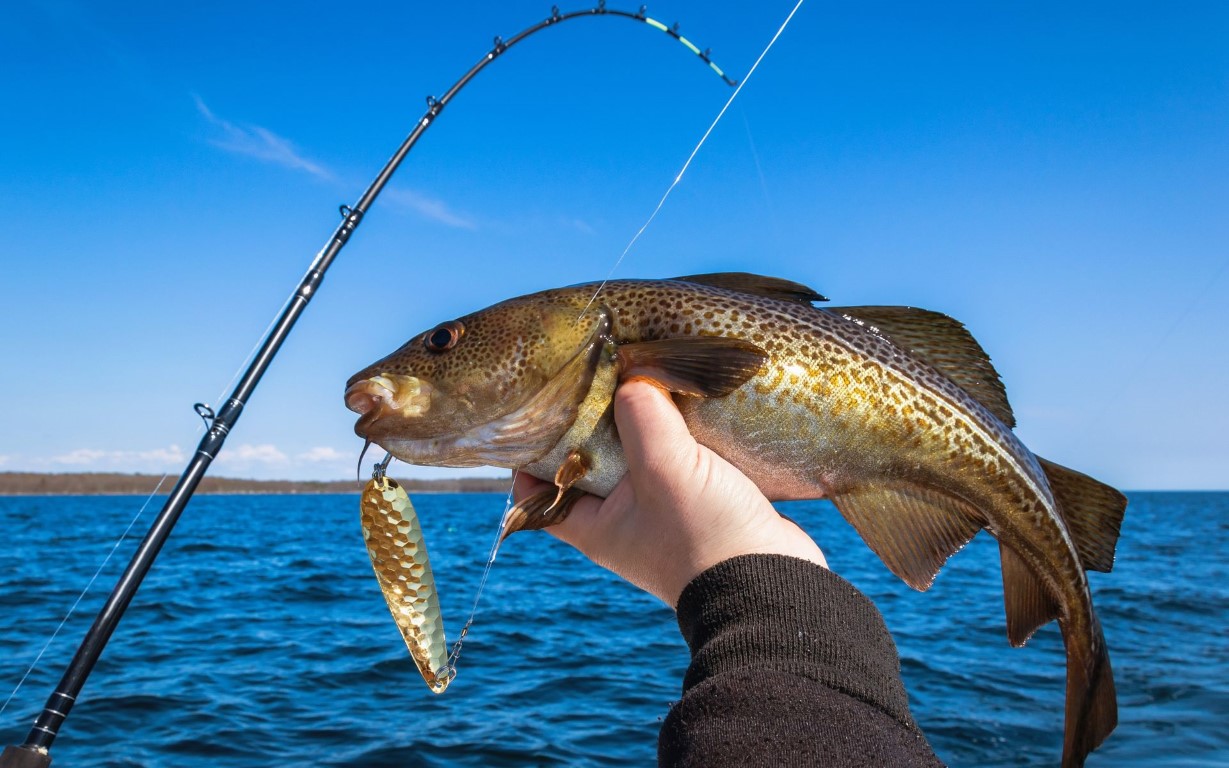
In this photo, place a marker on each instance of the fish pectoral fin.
(912, 528)
(541, 510)
(945, 345)
(1093, 512)
(757, 285)
(703, 366)
(1029, 607)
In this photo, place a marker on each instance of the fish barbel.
(893, 413)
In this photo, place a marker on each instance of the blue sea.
(260, 638)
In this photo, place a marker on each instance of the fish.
(895, 414)
(398, 555)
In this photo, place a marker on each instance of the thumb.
(651, 428)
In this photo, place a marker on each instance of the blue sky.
(1055, 176)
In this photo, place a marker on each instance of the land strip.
(114, 483)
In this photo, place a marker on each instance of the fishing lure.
(399, 556)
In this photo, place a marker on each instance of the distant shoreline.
(119, 484)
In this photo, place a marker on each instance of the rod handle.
(24, 757)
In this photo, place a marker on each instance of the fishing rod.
(35, 752)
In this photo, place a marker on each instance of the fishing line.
(251, 355)
(123, 536)
(1126, 383)
(759, 169)
(455, 653)
(692, 156)
(36, 748)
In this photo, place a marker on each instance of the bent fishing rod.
(35, 752)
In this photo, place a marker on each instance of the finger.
(525, 485)
(580, 527)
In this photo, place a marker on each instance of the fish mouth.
(379, 396)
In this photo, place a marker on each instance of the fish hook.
(380, 468)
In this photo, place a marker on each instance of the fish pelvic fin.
(1093, 512)
(945, 345)
(757, 285)
(701, 366)
(1092, 702)
(1028, 605)
(912, 528)
(573, 469)
(541, 510)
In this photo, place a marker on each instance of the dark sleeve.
(790, 665)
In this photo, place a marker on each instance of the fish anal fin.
(945, 345)
(541, 510)
(1029, 607)
(912, 528)
(703, 366)
(1093, 512)
(757, 285)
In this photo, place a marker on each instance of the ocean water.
(260, 639)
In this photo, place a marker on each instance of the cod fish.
(893, 413)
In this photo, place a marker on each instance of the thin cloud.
(82, 456)
(427, 207)
(260, 143)
(265, 453)
(130, 461)
(4, 460)
(580, 225)
(323, 454)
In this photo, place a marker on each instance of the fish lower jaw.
(464, 451)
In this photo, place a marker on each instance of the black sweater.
(790, 665)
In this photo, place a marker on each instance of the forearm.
(790, 665)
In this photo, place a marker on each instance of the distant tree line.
(114, 483)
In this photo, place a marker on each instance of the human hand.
(680, 509)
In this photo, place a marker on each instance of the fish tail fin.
(1092, 704)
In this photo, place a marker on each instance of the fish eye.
(444, 337)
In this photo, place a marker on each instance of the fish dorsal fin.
(913, 529)
(757, 285)
(1029, 607)
(703, 366)
(1093, 512)
(945, 345)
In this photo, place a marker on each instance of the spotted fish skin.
(893, 413)
(399, 557)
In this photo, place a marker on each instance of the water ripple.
(260, 638)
